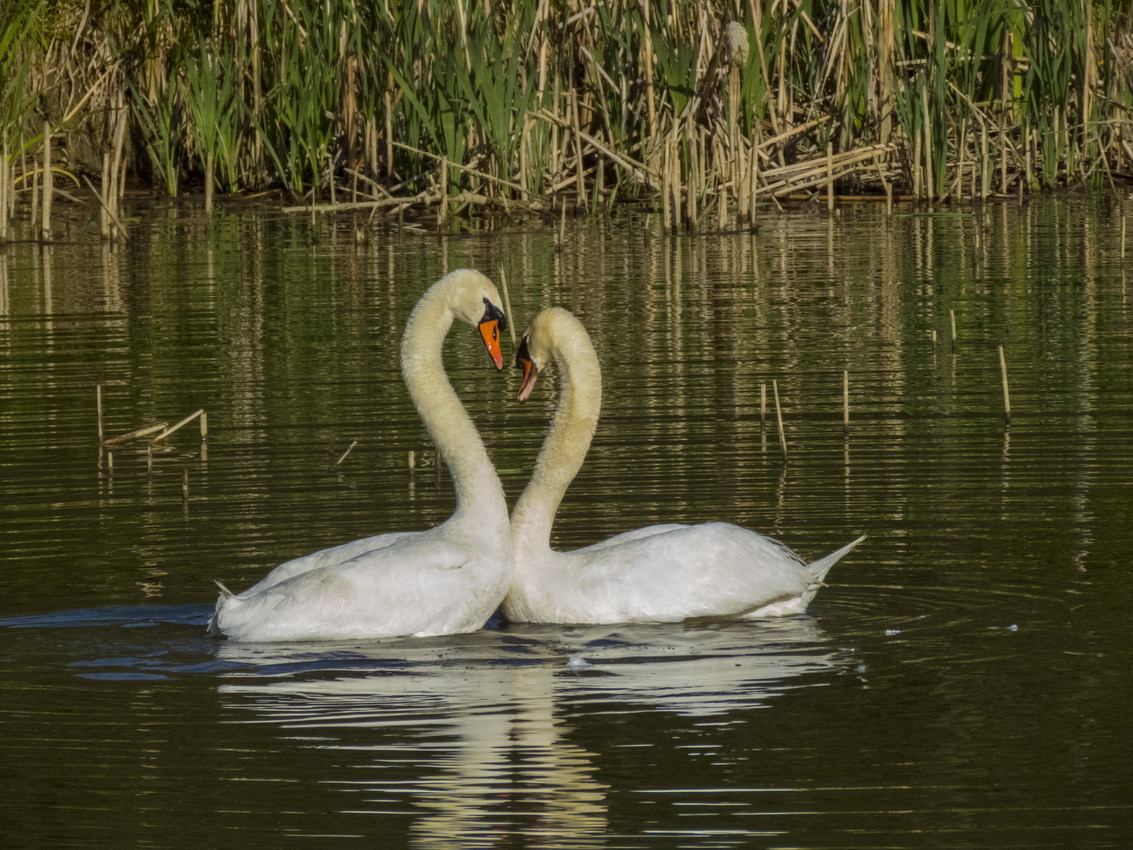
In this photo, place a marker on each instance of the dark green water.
(965, 680)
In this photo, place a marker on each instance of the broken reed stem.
(580, 185)
(829, 177)
(779, 419)
(109, 213)
(762, 406)
(184, 485)
(1006, 391)
(952, 318)
(34, 183)
(48, 188)
(118, 166)
(846, 402)
(507, 305)
(98, 405)
(441, 190)
(5, 176)
(483, 175)
(204, 427)
(133, 435)
(180, 424)
(103, 209)
(334, 465)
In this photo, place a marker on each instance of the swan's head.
(550, 331)
(476, 300)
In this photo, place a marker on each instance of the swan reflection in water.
(475, 736)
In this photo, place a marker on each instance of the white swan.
(662, 573)
(444, 580)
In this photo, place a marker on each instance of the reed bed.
(706, 111)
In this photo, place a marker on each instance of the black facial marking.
(522, 353)
(491, 311)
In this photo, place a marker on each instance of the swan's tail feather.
(226, 596)
(819, 568)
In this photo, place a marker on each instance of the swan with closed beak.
(444, 580)
(658, 574)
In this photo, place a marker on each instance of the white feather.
(445, 580)
(662, 573)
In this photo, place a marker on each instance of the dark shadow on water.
(122, 616)
(161, 641)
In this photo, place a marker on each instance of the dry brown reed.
(179, 425)
(779, 420)
(705, 111)
(846, 402)
(134, 435)
(343, 456)
(1006, 390)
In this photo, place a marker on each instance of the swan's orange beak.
(530, 370)
(490, 333)
(491, 323)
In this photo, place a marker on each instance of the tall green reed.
(214, 117)
(626, 99)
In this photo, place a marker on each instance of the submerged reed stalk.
(779, 419)
(134, 435)
(829, 177)
(5, 188)
(343, 456)
(846, 402)
(106, 214)
(48, 185)
(178, 426)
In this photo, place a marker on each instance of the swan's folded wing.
(421, 553)
(626, 539)
(388, 591)
(667, 573)
(332, 556)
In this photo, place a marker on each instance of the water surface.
(963, 681)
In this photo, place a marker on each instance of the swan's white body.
(444, 580)
(663, 573)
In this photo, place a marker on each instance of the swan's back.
(667, 573)
(428, 584)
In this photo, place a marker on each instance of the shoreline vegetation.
(707, 112)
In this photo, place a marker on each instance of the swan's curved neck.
(479, 495)
(565, 447)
